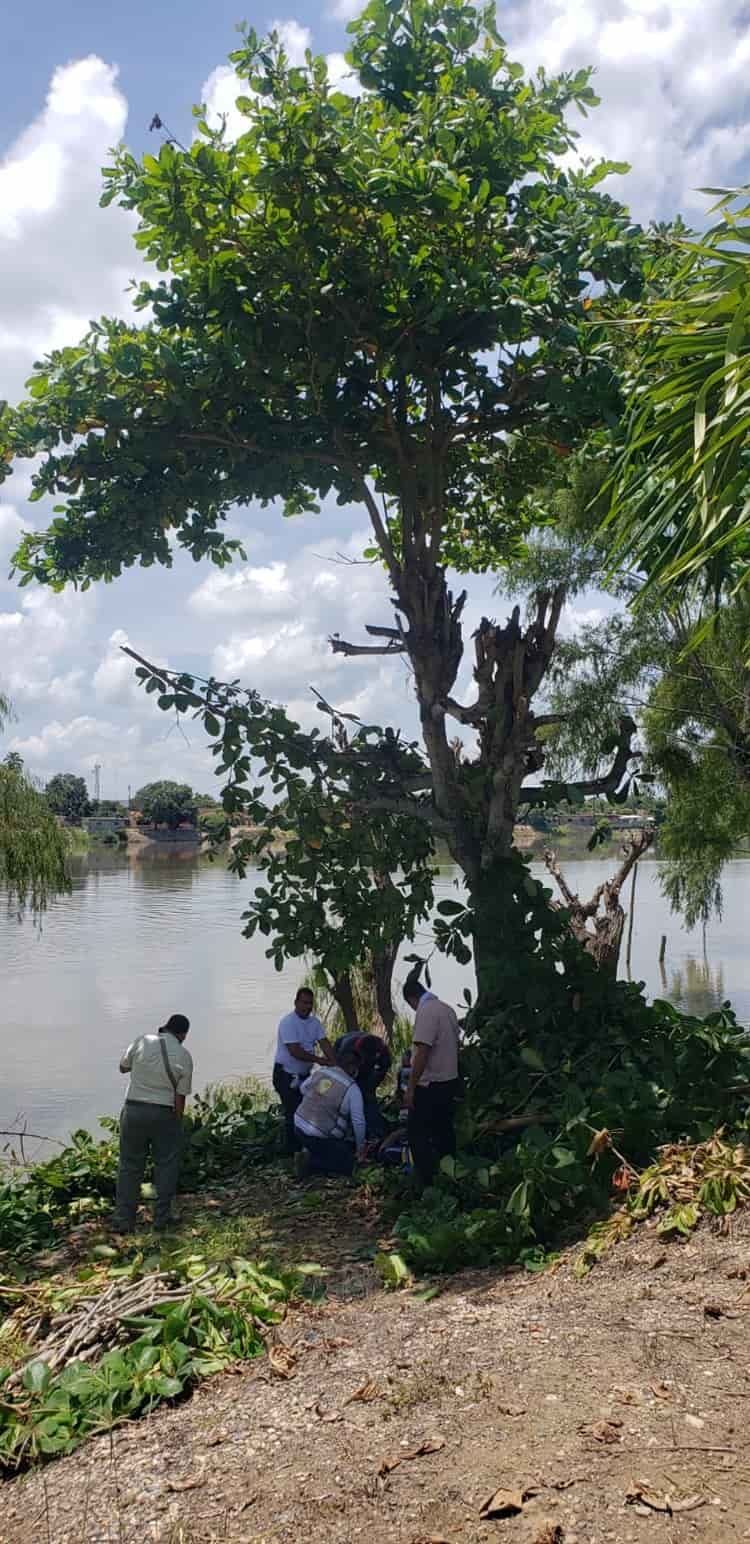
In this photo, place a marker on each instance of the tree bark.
(344, 995)
(382, 971)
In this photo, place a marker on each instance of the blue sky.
(673, 77)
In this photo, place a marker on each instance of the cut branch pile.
(95, 1322)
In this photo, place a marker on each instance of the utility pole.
(97, 782)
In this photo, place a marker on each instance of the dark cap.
(177, 1024)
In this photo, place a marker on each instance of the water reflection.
(697, 986)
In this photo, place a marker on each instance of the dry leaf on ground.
(505, 1503)
(282, 1361)
(430, 1445)
(191, 1483)
(364, 1394)
(327, 1416)
(607, 1431)
(646, 1500)
(661, 1390)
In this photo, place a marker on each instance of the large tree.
(67, 795)
(167, 803)
(391, 297)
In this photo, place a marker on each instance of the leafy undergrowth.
(111, 1345)
(685, 1184)
(228, 1127)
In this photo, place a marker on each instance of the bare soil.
(609, 1409)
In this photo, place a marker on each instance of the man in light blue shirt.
(298, 1035)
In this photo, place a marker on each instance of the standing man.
(299, 1033)
(161, 1073)
(433, 1082)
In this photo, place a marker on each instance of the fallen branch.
(94, 1323)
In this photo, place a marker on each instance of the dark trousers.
(144, 1129)
(431, 1132)
(328, 1155)
(291, 1099)
(374, 1119)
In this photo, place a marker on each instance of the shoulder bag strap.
(168, 1067)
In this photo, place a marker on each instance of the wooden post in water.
(662, 948)
(631, 918)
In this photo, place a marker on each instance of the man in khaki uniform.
(433, 1081)
(161, 1073)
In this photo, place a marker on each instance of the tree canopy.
(33, 848)
(166, 804)
(67, 795)
(362, 295)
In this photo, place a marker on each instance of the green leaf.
(531, 1058)
(36, 1377)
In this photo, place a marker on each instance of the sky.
(78, 78)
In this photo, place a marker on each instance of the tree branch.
(608, 783)
(340, 646)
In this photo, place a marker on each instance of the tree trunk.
(344, 995)
(382, 971)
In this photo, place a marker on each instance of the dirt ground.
(610, 1409)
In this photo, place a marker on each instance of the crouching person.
(330, 1121)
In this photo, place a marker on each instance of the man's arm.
(328, 1058)
(297, 1050)
(420, 1057)
(126, 1060)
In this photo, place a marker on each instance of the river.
(141, 938)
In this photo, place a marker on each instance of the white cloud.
(57, 740)
(672, 76)
(345, 10)
(62, 258)
(267, 591)
(114, 680)
(272, 661)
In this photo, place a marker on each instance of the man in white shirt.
(298, 1035)
(161, 1075)
(330, 1119)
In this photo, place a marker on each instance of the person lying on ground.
(374, 1066)
(299, 1033)
(433, 1081)
(330, 1120)
(161, 1073)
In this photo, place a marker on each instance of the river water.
(141, 938)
